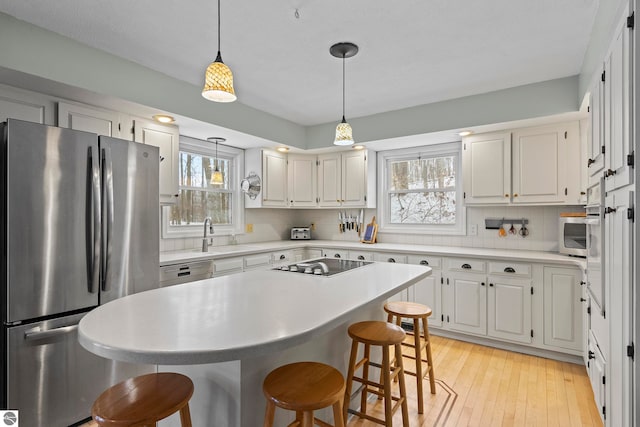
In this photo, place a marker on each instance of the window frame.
(236, 159)
(384, 205)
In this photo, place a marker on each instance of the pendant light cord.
(218, 26)
(343, 83)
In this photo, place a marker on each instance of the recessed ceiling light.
(283, 149)
(358, 147)
(465, 133)
(163, 118)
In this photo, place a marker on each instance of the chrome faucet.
(314, 264)
(205, 243)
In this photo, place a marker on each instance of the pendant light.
(216, 176)
(218, 80)
(344, 133)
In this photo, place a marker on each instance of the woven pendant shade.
(218, 83)
(344, 134)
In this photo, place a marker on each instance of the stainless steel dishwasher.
(175, 274)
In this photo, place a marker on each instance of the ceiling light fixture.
(218, 79)
(465, 133)
(216, 176)
(344, 133)
(163, 118)
(358, 147)
(283, 149)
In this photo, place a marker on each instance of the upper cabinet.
(302, 181)
(167, 139)
(27, 106)
(538, 165)
(89, 119)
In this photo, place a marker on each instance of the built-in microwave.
(573, 235)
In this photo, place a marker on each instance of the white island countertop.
(238, 316)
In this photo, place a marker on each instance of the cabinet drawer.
(335, 253)
(227, 266)
(390, 257)
(254, 261)
(281, 257)
(466, 265)
(361, 255)
(430, 261)
(511, 269)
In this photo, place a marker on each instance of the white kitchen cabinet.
(335, 253)
(465, 302)
(617, 113)
(618, 250)
(226, 266)
(537, 165)
(27, 106)
(596, 148)
(361, 255)
(596, 369)
(302, 174)
(89, 119)
(346, 179)
(540, 163)
(429, 290)
(271, 167)
(403, 295)
(509, 309)
(311, 253)
(486, 163)
(282, 257)
(167, 139)
(562, 308)
(257, 262)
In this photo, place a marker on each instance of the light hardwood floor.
(483, 386)
(486, 387)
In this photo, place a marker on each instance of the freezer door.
(52, 380)
(130, 214)
(52, 186)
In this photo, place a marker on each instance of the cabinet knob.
(590, 162)
(592, 355)
(582, 283)
(609, 172)
(491, 285)
(515, 194)
(424, 262)
(506, 195)
(482, 283)
(338, 200)
(466, 266)
(583, 299)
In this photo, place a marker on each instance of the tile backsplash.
(275, 224)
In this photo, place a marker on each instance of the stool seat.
(304, 387)
(144, 400)
(376, 333)
(407, 309)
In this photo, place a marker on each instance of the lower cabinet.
(562, 308)
(596, 368)
(392, 257)
(465, 303)
(509, 309)
(223, 267)
(429, 290)
(335, 253)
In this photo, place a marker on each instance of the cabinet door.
(509, 309)
(596, 369)
(354, 179)
(539, 163)
(25, 106)
(167, 139)
(466, 306)
(361, 255)
(428, 291)
(274, 169)
(617, 112)
(562, 308)
(619, 305)
(330, 180)
(88, 119)
(302, 173)
(335, 253)
(596, 150)
(486, 162)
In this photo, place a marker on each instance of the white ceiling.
(412, 52)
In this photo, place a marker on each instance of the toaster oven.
(301, 233)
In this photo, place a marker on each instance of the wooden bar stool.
(398, 310)
(304, 387)
(385, 335)
(144, 400)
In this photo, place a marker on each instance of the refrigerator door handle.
(94, 170)
(107, 169)
(38, 334)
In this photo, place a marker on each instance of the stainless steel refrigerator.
(79, 225)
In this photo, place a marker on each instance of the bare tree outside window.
(198, 198)
(423, 190)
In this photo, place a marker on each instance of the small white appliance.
(572, 235)
(301, 233)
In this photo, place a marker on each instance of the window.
(198, 198)
(421, 190)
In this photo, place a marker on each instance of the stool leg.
(365, 376)
(269, 414)
(432, 378)
(418, 354)
(337, 414)
(307, 419)
(386, 368)
(185, 416)
(403, 390)
(347, 390)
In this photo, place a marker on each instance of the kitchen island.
(227, 333)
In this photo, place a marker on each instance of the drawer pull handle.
(466, 266)
(391, 260)
(509, 270)
(592, 355)
(424, 262)
(282, 256)
(183, 267)
(337, 256)
(361, 257)
(491, 284)
(184, 273)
